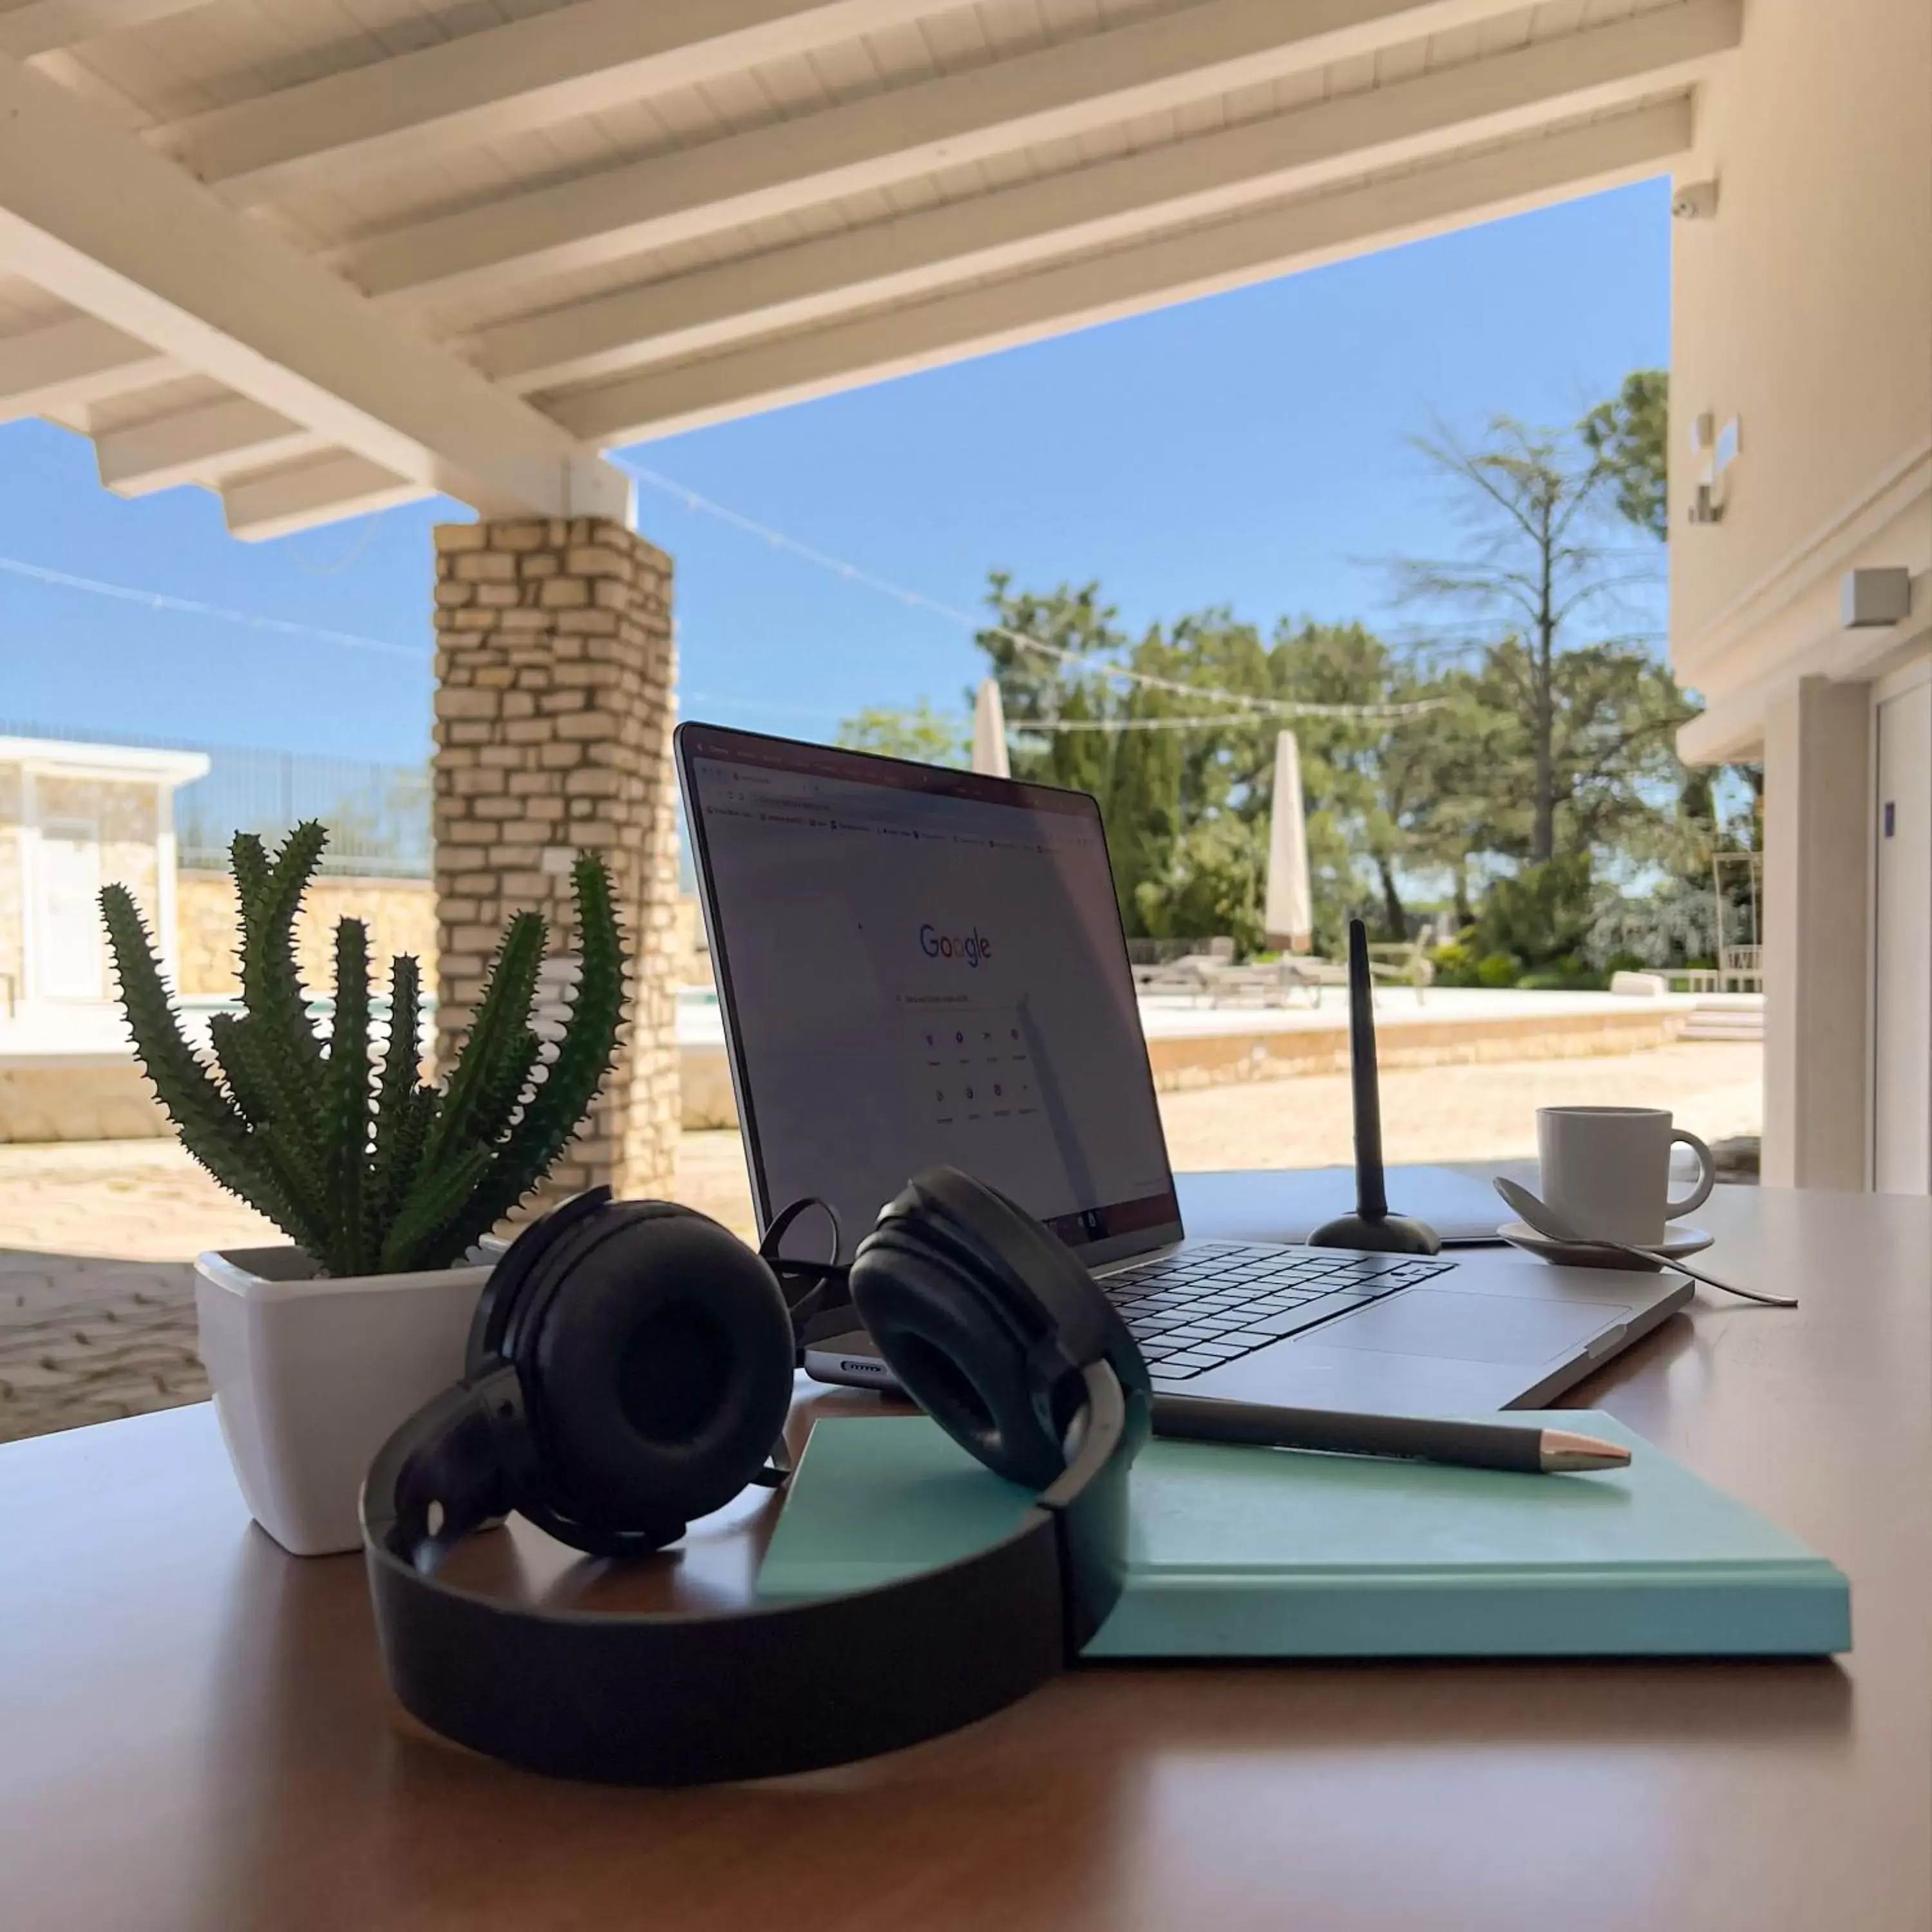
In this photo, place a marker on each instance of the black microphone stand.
(1371, 1227)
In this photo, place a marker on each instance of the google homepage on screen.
(916, 977)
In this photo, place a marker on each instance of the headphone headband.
(672, 1698)
(629, 1367)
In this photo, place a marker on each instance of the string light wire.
(1251, 707)
(1235, 719)
(189, 606)
(917, 600)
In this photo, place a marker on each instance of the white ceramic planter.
(311, 1376)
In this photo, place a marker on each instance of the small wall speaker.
(1871, 600)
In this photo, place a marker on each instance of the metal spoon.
(1552, 1226)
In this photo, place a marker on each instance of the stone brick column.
(555, 669)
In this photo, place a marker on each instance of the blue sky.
(1248, 450)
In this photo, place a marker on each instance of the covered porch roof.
(327, 256)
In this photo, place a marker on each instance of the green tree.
(1536, 568)
(1186, 809)
(926, 736)
(1393, 805)
(1541, 915)
(1609, 759)
(1630, 434)
(1550, 729)
(1407, 795)
(1076, 722)
(1142, 801)
(1719, 809)
(1214, 881)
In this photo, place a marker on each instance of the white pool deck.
(92, 1032)
(1167, 1017)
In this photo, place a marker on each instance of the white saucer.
(1678, 1242)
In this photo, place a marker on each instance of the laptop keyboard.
(1215, 1301)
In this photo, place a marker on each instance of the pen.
(1525, 1448)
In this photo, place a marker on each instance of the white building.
(72, 818)
(1803, 333)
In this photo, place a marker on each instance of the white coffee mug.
(1606, 1170)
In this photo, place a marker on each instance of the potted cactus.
(385, 1185)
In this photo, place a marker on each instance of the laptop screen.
(918, 966)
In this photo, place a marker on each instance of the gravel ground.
(97, 1301)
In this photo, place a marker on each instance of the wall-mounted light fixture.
(1716, 450)
(1694, 201)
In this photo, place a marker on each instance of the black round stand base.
(1388, 1234)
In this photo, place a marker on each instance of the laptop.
(916, 965)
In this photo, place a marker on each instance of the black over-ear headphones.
(630, 1369)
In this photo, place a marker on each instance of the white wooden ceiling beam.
(91, 214)
(1481, 101)
(30, 27)
(320, 490)
(189, 446)
(1062, 90)
(1193, 261)
(502, 80)
(61, 364)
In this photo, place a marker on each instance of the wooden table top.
(194, 1731)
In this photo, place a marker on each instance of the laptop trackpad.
(1454, 1326)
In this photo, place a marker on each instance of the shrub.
(1214, 882)
(1541, 914)
(1673, 926)
(1570, 974)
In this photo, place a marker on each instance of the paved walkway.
(86, 1340)
(96, 1298)
(1484, 1111)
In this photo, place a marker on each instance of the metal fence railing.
(378, 815)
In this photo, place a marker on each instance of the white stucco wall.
(1803, 309)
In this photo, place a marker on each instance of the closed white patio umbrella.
(1289, 919)
(989, 731)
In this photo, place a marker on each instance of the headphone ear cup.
(658, 1376)
(942, 1206)
(540, 1250)
(963, 1359)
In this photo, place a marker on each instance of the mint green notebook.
(1255, 1552)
